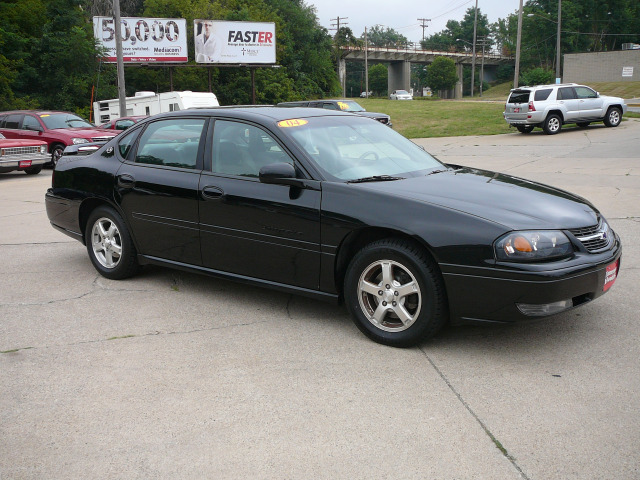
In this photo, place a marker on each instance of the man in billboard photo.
(207, 45)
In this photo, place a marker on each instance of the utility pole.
(519, 38)
(337, 24)
(558, 42)
(473, 59)
(121, 92)
(342, 75)
(424, 25)
(366, 65)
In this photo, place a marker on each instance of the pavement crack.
(128, 336)
(484, 427)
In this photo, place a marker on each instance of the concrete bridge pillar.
(458, 93)
(342, 76)
(399, 76)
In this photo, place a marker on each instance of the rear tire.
(109, 244)
(525, 128)
(395, 293)
(613, 117)
(553, 124)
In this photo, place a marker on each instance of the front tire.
(394, 293)
(613, 117)
(109, 244)
(553, 124)
(56, 153)
(33, 170)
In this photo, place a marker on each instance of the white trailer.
(150, 103)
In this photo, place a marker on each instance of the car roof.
(37, 112)
(262, 112)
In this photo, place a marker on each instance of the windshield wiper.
(376, 178)
(438, 171)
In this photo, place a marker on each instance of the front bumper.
(493, 295)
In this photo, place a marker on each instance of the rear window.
(519, 96)
(542, 95)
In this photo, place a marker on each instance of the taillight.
(531, 107)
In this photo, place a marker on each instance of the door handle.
(126, 181)
(211, 192)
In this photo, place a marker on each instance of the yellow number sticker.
(343, 106)
(294, 122)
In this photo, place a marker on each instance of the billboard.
(234, 42)
(144, 40)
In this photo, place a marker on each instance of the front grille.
(20, 150)
(101, 139)
(595, 237)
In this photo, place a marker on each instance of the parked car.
(24, 155)
(551, 106)
(333, 206)
(365, 94)
(57, 129)
(400, 95)
(341, 105)
(122, 123)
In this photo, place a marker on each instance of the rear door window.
(13, 121)
(542, 95)
(566, 93)
(171, 142)
(519, 96)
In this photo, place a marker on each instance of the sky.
(403, 15)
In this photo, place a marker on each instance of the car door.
(567, 97)
(157, 186)
(254, 229)
(31, 128)
(590, 103)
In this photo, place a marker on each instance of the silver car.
(551, 106)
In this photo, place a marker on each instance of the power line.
(337, 21)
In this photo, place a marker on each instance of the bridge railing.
(415, 49)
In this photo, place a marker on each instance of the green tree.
(379, 79)
(441, 74)
(378, 36)
(459, 35)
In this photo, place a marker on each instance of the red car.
(57, 129)
(122, 123)
(25, 155)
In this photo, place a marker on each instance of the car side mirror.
(280, 174)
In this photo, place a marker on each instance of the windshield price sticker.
(610, 276)
(294, 122)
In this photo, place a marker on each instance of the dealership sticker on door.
(610, 275)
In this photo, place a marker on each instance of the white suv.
(551, 106)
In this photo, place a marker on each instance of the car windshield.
(355, 148)
(63, 120)
(350, 106)
(402, 92)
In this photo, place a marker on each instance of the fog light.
(544, 308)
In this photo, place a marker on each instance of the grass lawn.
(441, 118)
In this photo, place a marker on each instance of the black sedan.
(333, 206)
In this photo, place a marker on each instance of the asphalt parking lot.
(175, 375)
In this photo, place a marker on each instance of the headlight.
(76, 141)
(43, 149)
(532, 246)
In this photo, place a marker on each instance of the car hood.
(8, 143)
(372, 114)
(510, 201)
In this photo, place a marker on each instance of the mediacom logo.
(238, 36)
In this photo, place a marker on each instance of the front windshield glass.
(402, 92)
(350, 106)
(354, 148)
(63, 120)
